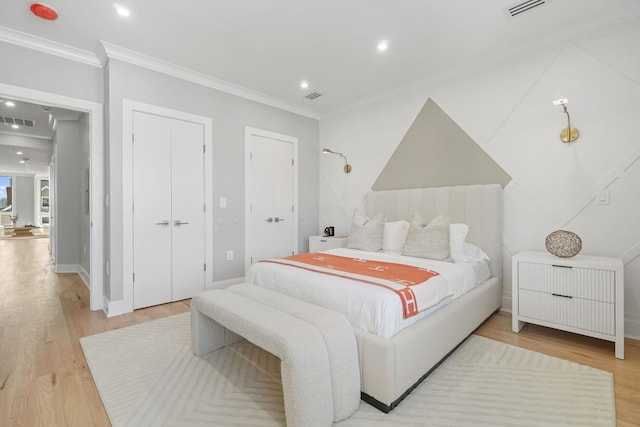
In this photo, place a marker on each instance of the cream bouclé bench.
(316, 346)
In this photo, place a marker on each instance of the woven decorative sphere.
(564, 244)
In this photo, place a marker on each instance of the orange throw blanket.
(398, 278)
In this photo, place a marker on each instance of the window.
(5, 194)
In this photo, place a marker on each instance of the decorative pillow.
(366, 233)
(457, 236)
(395, 233)
(428, 240)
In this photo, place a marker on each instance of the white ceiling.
(270, 46)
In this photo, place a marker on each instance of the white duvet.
(372, 308)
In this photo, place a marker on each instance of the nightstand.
(322, 243)
(583, 294)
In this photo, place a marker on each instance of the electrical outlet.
(229, 255)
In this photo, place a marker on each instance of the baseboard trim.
(115, 308)
(118, 307)
(224, 283)
(86, 278)
(507, 303)
(68, 268)
(632, 328)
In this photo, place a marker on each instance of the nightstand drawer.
(577, 282)
(578, 313)
(323, 243)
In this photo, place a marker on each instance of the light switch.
(603, 197)
(223, 202)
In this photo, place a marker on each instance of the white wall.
(68, 195)
(230, 114)
(507, 110)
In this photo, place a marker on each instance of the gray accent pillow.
(428, 239)
(366, 233)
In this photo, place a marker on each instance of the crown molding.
(110, 51)
(107, 51)
(47, 46)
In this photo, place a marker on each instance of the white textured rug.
(147, 376)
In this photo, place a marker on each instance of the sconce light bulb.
(561, 101)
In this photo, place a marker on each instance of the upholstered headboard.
(478, 206)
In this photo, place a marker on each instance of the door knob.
(269, 219)
(178, 223)
(279, 219)
(163, 223)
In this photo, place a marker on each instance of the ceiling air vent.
(16, 121)
(525, 6)
(313, 95)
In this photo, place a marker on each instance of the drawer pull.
(561, 266)
(563, 296)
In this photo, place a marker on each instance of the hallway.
(44, 379)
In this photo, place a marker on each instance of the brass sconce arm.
(347, 166)
(567, 134)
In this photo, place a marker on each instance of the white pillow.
(457, 236)
(395, 233)
(366, 233)
(428, 240)
(474, 254)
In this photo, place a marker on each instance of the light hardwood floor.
(45, 381)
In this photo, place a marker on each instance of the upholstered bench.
(316, 346)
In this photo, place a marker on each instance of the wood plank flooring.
(45, 381)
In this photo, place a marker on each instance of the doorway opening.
(91, 190)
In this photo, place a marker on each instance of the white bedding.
(374, 309)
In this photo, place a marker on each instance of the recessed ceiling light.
(22, 161)
(15, 126)
(383, 45)
(121, 10)
(10, 103)
(19, 153)
(304, 84)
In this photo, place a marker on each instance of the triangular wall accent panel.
(435, 152)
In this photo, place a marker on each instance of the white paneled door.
(168, 209)
(271, 195)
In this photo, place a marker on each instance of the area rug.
(147, 376)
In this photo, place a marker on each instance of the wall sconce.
(567, 134)
(347, 166)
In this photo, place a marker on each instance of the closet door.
(168, 210)
(187, 192)
(151, 210)
(270, 181)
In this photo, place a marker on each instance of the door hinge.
(204, 148)
(293, 208)
(250, 156)
(292, 164)
(133, 138)
(134, 277)
(133, 207)
(204, 207)
(250, 260)
(205, 266)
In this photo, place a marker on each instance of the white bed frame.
(391, 368)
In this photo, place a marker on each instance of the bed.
(394, 361)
